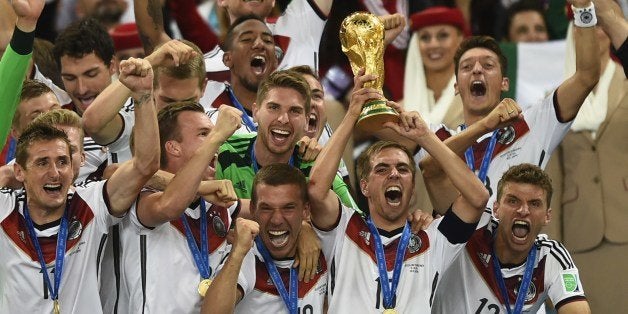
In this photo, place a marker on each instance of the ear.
(456, 90)
(254, 110)
(19, 172)
(14, 133)
(221, 3)
(113, 65)
(496, 209)
(203, 87)
(306, 211)
(227, 59)
(83, 159)
(173, 148)
(364, 187)
(505, 84)
(548, 217)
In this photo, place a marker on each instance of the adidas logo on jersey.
(366, 236)
(485, 258)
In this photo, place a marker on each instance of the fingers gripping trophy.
(362, 40)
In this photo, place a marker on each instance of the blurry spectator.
(126, 42)
(525, 22)
(595, 176)
(429, 77)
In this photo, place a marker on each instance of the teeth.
(521, 223)
(277, 233)
(313, 117)
(393, 188)
(261, 58)
(281, 132)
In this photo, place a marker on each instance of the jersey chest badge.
(530, 294)
(75, 229)
(415, 243)
(219, 226)
(507, 135)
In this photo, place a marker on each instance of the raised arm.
(158, 208)
(15, 60)
(324, 204)
(442, 192)
(223, 294)
(611, 18)
(126, 183)
(150, 23)
(101, 120)
(471, 202)
(572, 92)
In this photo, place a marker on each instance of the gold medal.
(390, 311)
(203, 286)
(55, 307)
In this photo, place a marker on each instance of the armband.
(584, 17)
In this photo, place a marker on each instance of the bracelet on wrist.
(584, 17)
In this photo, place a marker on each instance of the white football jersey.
(531, 140)
(470, 285)
(22, 288)
(159, 274)
(261, 295)
(353, 274)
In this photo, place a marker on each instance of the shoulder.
(555, 251)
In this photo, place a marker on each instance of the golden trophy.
(362, 40)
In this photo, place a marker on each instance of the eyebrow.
(84, 72)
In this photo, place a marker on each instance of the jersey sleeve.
(562, 276)
(331, 239)
(7, 202)
(95, 195)
(13, 67)
(448, 236)
(543, 119)
(120, 147)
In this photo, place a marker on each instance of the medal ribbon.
(486, 160)
(389, 290)
(62, 237)
(290, 297)
(201, 257)
(245, 116)
(254, 159)
(525, 281)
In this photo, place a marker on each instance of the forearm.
(160, 180)
(150, 23)
(222, 295)
(146, 137)
(100, 119)
(13, 67)
(460, 175)
(587, 55)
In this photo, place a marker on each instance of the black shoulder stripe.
(559, 252)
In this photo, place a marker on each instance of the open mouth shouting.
(278, 238)
(311, 129)
(478, 88)
(520, 231)
(53, 189)
(280, 136)
(258, 64)
(393, 195)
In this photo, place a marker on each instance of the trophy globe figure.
(362, 40)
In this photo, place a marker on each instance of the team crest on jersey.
(507, 135)
(366, 236)
(75, 229)
(531, 290)
(414, 245)
(219, 227)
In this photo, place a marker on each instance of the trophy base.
(374, 114)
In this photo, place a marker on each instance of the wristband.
(584, 17)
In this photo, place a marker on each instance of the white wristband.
(584, 17)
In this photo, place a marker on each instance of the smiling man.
(84, 54)
(262, 279)
(498, 134)
(283, 103)
(507, 264)
(50, 223)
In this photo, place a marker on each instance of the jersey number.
(483, 302)
(307, 309)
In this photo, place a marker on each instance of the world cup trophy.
(362, 40)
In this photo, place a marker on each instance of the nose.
(81, 86)
(258, 43)
(523, 210)
(276, 218)
(477, 68)
(283, 117)
(394, 173)
(53, 171)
